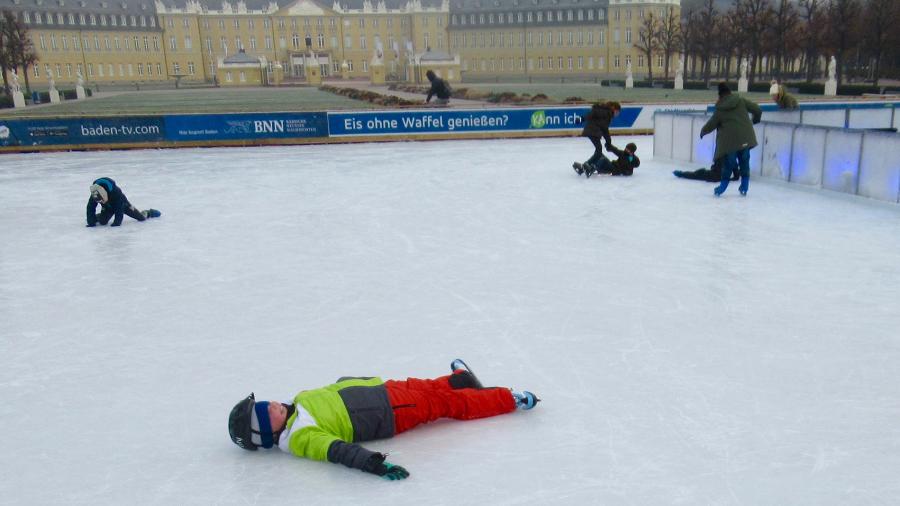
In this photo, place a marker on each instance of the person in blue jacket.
(113, 204)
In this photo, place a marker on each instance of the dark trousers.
(107, 212)
(598, 151)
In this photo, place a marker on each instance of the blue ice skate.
(462, 376)
(525, 400)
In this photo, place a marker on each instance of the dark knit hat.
(724, 89)
(631, 147)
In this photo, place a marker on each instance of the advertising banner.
(212, 127)
(80, 131)
(450, 121)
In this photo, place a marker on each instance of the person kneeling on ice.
(112, 203)
(328, 422)
(624, 165)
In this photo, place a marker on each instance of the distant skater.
(734, 136)
(327, 423)
(596, 129)
(113, 204)
(439, 88)
(624, 165)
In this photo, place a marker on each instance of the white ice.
(688, 350)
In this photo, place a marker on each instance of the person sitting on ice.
(712, 175)
(113, 203)
(624, 165)
(327, 423)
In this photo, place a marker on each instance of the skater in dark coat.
(113, 204)
(439, 88)
(596, 129)
(624, 165)
(327, 423)
(735, 136)
(712, 175)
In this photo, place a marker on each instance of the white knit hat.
(99, 193)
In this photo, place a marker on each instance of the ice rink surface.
(688, 350)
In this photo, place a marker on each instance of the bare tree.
(647, 41)
(811, 16)
(688, 36)
(4, 51)
(708, 25)
(756, 16)
(669, 38)
(20, 49)
(784, 27)
(880, 16)
(843, 18)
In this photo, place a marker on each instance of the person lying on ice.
(712, 175)
(624, 165)
(328, 422)
(112, 203)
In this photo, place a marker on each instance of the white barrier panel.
(662, 135)
(870, 118)
(705, 148)
(756, 153)
(808, 156)
(840, 171)
(682, 138)
(896, 118)
(776, 156)
(782, 116)
(879, 167)
(827, 117)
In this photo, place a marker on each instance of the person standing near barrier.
(735, 136)
(439, 88)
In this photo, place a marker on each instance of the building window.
(228, 77)
(140, 69)
(615, 61)
(188, 43)
(253, 43)
(628, 35)
(173, 44)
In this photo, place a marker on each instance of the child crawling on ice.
(624, 165)
(327, 423)
(113, 204)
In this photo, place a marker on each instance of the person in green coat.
(784, 100)
(734, 136)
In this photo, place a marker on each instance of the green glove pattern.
(394, 472)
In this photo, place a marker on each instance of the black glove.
(377, 466)
(609, 146)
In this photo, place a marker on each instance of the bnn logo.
(272, 125)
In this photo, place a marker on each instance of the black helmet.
(239, 423)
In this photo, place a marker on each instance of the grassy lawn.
(208, 100)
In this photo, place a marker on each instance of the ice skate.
(579, 169)
(589, 170)
(152, 213)
(463, 377)
(525, 400)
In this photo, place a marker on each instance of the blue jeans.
(738, 160)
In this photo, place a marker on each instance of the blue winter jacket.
(116, 202)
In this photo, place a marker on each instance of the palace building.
(137, 41)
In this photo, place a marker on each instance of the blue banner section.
(470, 120)
(79, 131)
(211, 127)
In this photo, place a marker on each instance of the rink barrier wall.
(279, 128)
(847, 160)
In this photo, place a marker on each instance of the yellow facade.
(166, 43)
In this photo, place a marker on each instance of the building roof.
(241, 58)
(435, 56)
(519, 5)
